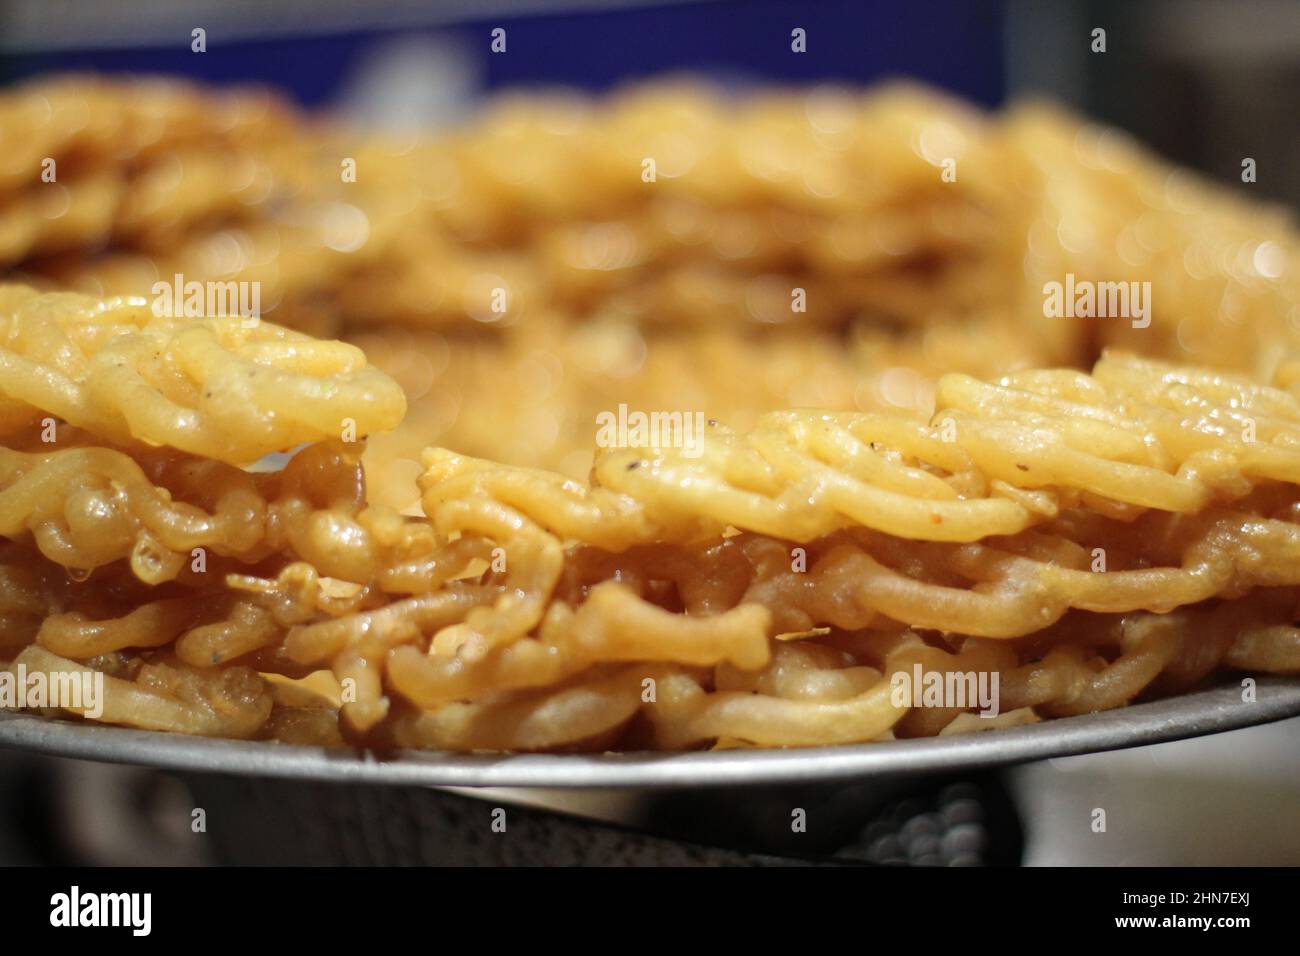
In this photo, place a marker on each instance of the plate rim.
(1200, 713)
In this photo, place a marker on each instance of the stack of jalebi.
(193, 509)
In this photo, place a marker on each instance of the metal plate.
(1190, 715)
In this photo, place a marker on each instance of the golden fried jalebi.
(88, 506)
(230, 388)
(142, 162)
(85, 119)
(899, 466)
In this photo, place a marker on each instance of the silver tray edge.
(1190, 715)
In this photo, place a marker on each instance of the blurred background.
(1206, 83)
(1200, 80)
